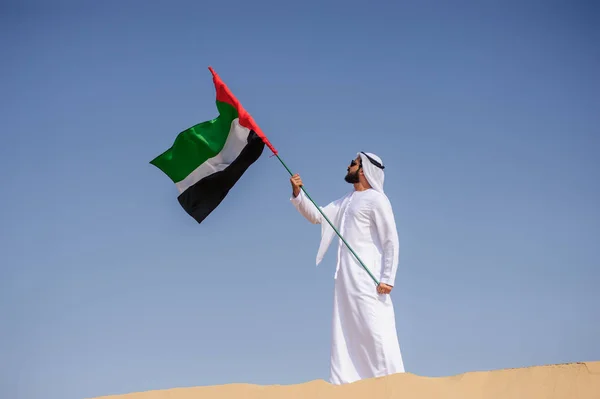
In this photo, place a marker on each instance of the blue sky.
(486, 116)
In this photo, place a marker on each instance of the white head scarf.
(373, 173)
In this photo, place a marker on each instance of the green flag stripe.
(195, 145)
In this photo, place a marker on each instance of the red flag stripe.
(246, 120)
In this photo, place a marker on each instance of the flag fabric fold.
(207, 159)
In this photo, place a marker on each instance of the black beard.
(352, 178)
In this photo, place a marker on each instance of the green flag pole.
(331, 224)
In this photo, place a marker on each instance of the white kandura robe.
(364, 340)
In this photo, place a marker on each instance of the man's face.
(353, 168)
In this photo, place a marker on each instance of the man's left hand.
(383, 288)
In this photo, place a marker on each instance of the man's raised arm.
(302, 203)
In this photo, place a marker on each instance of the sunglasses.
(353, 163)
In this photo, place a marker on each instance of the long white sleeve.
(385, 225)
(306, 208)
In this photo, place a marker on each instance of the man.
(364, 341)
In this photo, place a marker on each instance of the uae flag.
(208, 159)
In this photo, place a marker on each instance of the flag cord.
(331, 224)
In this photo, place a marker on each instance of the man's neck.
(361, 187)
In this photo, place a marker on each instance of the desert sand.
(568, 381)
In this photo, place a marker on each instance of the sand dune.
(568, 381)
